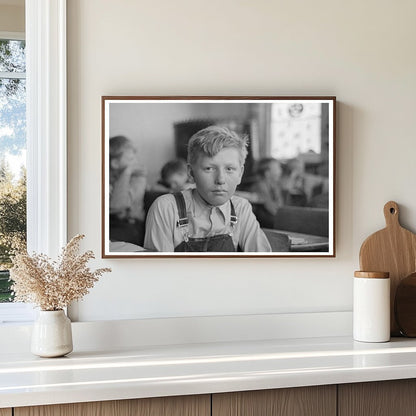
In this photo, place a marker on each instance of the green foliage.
(12, 55)
(12, 142)
(12, 215)
(5, 290)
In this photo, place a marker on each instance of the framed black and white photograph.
(218, 176)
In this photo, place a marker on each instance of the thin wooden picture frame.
(293, 135)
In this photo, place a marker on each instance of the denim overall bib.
(220, 242)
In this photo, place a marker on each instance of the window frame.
(46, 113)
(46, 125)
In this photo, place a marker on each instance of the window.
(12, 153)
(296, 129)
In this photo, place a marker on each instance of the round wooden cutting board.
(392, 250)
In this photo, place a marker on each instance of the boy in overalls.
(209, 218)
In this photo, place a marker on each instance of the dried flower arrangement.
(52, 285)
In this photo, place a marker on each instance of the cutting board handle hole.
(392, 211)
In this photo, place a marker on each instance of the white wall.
(360, 51)
(12, 17)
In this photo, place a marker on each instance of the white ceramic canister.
(371, 306)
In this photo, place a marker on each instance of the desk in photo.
(300, 242)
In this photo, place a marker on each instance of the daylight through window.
(12, 156)
(296, 129)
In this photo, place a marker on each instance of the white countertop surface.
(148, 371)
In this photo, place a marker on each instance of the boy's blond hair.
(212, 140)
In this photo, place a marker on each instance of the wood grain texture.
(160, 406)
(382, 398)
(392, 250)
(5, 412)
(300, 401)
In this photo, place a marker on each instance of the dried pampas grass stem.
(53, 285)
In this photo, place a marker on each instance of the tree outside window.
(12, 156)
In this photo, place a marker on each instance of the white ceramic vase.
(52, 334)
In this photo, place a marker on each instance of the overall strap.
(180, 203)
(183, 221)
(233, 216)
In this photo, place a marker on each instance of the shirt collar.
(201, 206)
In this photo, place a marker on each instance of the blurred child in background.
(127, 188)
(268, 187)
(174, 176)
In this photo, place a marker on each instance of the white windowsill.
(16, 313)
(161, 357)
(154, 371)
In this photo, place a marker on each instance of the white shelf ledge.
(151, 371)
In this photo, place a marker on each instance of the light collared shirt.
(162, 233)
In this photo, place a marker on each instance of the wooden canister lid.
(372, 275)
